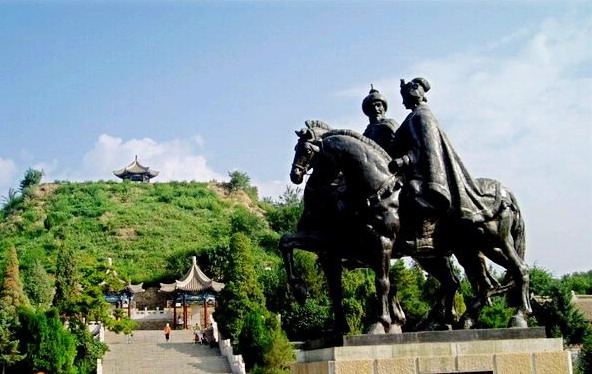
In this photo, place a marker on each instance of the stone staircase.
(147, 352)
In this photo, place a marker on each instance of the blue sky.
(199, 88)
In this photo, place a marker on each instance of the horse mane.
(351, 133)
(313, 123)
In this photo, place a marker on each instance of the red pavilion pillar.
(174, 310)
(184, 311)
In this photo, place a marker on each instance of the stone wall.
(151, 299)
(501, 351)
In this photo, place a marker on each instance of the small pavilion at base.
(125, 294)
(195, 282)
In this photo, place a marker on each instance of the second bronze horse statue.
(351, 216)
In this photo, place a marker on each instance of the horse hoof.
(518, 321)
(376, 329)
(395, 329)
(466, 323)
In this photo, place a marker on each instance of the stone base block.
(502, 356)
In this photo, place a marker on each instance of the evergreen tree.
(66, 280)
(88, 349)
(238, 181)
(495, 316)
(584, 363)
(253, 338)
(277, 350)
(541, 281)
(410, 284)
(579, 282)
(560, 317)
(38, 286)
(12, 295)
(9, 345)
(32, 178)
(49, 347)
(242, 293)
(243, 317)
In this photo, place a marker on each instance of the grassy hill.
(150, 230)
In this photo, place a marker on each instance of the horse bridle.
(316, 148)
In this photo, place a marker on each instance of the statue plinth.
(495, 351)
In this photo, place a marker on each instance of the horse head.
(309, 140)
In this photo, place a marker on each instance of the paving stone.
(148, 352)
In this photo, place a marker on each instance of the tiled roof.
(194, 281)
(135, 168)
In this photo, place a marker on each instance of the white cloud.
(175, 160)
(8, 173)
(525, 119)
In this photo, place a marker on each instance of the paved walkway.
(148, 353)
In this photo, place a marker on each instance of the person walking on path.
(167, 332)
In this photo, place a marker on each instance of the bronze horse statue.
(351, 217)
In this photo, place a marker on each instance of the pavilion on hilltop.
(136, 172)
(195, 282)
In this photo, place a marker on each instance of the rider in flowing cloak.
(437, 183)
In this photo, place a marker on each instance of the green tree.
(11, 202)
(238, 181)
(579, 282)
(66, 280)
(560, 317)
(410, 284)
(283, 215)
(9, 345)
(38, 285)
(12, 295)
(277, 350)
(252, 339)
(584, 363)
(49, 347)
(242, 293)
(246, 222)
(358, 298)
(31, 179)
(88, 349)
(496, 315)
(541, 281)
(307, 321)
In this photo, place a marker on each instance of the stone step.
(148, 352)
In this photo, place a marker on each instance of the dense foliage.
(63, 233)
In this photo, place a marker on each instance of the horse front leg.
(286, 247)
(397, 315)
(443, 314)
(381, 266)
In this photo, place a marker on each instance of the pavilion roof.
(135, 168)
(194, 281)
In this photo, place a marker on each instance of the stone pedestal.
(496, 351)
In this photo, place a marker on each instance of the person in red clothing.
(167, 332)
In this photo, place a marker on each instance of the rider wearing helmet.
(380, 129)
(436, 182)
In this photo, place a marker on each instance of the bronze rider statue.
(437, 185)
(380, 129)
